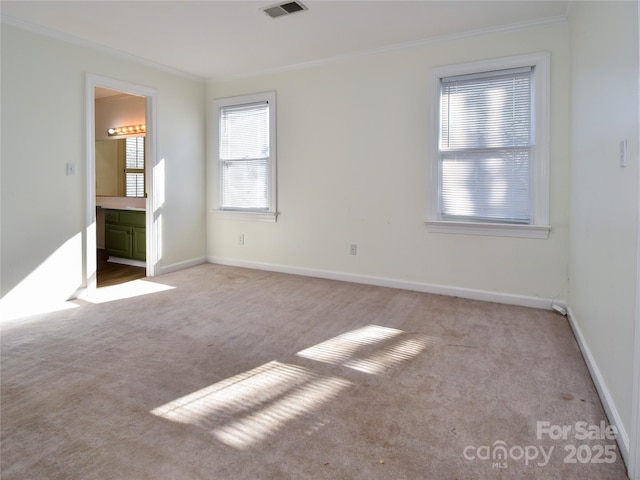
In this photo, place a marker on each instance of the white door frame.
(152, 226)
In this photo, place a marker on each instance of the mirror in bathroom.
(120, 120)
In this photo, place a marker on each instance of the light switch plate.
(622, 155)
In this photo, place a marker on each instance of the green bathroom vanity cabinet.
(125, 234)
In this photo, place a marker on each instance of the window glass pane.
(492, 186)
(244, 184)
(244, 132)
(486, 113)
(244, 157)
(486, 147)
(135, 152)
(134, 167)
(135, 184)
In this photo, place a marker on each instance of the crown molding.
(81, 42)
(72, 39)
(395, 47)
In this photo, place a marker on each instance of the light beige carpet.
(241, 374)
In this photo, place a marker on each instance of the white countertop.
(122, 203)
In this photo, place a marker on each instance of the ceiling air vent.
(282, 9)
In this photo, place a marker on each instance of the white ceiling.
(224, 39)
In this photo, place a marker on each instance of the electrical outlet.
(241, 239)
(353, 249)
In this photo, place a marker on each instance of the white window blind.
(486, 147)
(245, 157)
(135, 184)
(134, 166)
(135, 152)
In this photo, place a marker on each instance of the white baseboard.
(483, 295)
(601, 386)
(174, 267)
(473, 294)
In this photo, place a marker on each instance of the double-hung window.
(245, 154)
(489, 175)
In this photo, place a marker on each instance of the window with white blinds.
(246, 153)
(486, 144)
(492, 162)
(134, 166)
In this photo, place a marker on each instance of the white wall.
(43, 128)
(604, 197)
(352, 168)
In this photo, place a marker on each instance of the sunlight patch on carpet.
(343, 347)
(245, 409)
(372, 349)
(392, 356)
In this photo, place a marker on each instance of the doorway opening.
(120, 125)
(121, 231)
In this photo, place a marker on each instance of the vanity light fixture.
(129, 130)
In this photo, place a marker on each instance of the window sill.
(246, 216)
(489, 229)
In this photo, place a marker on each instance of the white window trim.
(272, 214)
(539, 228)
